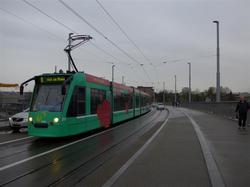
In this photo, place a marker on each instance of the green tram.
(65, 104)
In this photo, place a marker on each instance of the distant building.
(148, 90)
(12, 102)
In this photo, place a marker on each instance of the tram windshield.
(47, 97)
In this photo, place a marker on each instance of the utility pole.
(218, 64)
(175, 97)
(112, 93)
(113, 67)
(123, 80)
(55, 69)
(163, 99)
(189, 90)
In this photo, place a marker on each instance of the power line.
(30, 23)
(126, 35)
(70, 29)
(67, 27)
(44, 13)
(100, 33)
(107, 53)
(121, 29)
(116, 59)
(55, 36)
(184, 59)
(64, 25)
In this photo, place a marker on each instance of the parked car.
(160, 106)
(19, 120)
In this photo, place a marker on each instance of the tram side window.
(123, 101)
(77, 102)
(143, 101)
(97, 98)
(137, 100)
(117, 102)
(130, 101)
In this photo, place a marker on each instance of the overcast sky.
(175, 31)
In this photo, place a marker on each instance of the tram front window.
(48, 98)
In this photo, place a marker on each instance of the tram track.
(101, 158)
(19, 149)
(38, 166)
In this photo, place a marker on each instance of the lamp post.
(218, 64)
(189, 89)
(175, 97)
(113, 69)
(112, 93)
(163, 96)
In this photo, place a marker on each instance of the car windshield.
(48, 98)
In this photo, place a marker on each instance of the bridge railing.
(224, 109)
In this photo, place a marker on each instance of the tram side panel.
(137, 103)
(123, 103)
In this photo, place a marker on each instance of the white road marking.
(55, 149)
(11, 141)
(113, 179)
(213, 171)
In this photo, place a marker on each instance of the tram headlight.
(56, 120)
(30, 119)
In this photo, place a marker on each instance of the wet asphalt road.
(190, 148)
(67, 161)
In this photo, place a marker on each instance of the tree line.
(208, 95)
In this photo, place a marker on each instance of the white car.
(160, 106)
(19, 120)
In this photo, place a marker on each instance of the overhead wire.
(109, 54)
(30, 23)
(115, 58)
(67, 27)
(101, 34)
(185, 59)
(125, 34)
(60, 23)
(45, 14)
(120, 28)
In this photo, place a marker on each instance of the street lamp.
(189, 90)
(218, 65)
(113, 69)
(112, 93)
(175, 97)
(163, 99)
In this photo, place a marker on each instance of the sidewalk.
(174, 158)
(229, 145)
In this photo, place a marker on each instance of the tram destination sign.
(51, 79)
